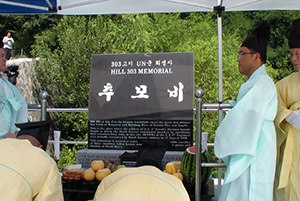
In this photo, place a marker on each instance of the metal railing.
(200, 107)
(70, 142)
(206, 107)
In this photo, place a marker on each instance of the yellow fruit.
(177, 164)
(171, 168)
(101, 174)
(178, 175)
(97, 165)
(89, 175)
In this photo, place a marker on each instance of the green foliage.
(66, 49)
(65, 45)
(66, 75)
(72, 125)
(24, 28)
(215, 172)
(68, 153)
(67, 157)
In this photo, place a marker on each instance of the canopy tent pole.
(219, 9)
(25, 5)
(49, 4)
(28, 7)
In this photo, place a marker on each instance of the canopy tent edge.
(101, 7)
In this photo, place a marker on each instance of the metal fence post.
(44, 95)
(198, 94)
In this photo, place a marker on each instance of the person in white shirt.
(8, 42)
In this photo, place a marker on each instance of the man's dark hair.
(258, 39)
(263, 58)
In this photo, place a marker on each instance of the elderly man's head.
(36, 132)
(294, 44)
(31, 139)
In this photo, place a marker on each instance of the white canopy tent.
(23, 7)
(88, 7)
(83, 7)
(101, 7)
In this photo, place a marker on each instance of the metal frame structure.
(200, 107)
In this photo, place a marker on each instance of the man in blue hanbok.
(246, 138)
(13, 107)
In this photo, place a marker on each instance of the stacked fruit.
(173, 168)
(99, 170)
(73, 174)
(185, 169)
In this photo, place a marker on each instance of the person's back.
(27, 173)
(145, 183)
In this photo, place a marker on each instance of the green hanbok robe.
(13, 108)
(246, 141)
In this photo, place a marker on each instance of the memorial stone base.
(86, 156)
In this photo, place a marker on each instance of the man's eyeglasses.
(240, 55)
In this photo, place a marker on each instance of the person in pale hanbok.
(144, 183)
(13, 107)
(287, 177)
(27, 171)
(246, 138)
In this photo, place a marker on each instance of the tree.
(24, 28)
(65, 72)
(280, 23)
(66, 50)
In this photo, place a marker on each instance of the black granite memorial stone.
(140, 97)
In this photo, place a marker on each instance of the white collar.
(258, 71)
